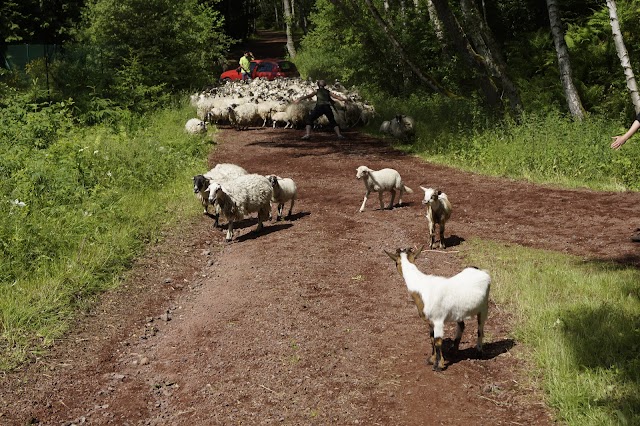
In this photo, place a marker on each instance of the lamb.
(281, 117)
(380, 181)
(284, 189)
(222, 172)
(195, 126)
(438, 212)
(242, 196)
(440, 300)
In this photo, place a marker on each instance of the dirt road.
(308, 322)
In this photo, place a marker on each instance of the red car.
(264, 68)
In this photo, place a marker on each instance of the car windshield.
(265, 67)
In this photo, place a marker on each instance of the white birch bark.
(623, 55)
(288, 22)
(573, 99)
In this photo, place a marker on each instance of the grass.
(90, 201)
(581, 322)
(544, 148)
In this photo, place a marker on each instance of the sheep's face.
(362, 171)
(430, 195)
(273, 180)
(200, 184)
(213, 191)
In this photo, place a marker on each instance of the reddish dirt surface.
(308, 322)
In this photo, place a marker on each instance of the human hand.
(617, 142)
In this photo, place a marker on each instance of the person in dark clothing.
(323, 107)
(618, 141)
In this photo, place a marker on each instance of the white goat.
(284, 189)
(440, 300)
(195, 126)
(438, 212)
(380, 181)
(242, 196)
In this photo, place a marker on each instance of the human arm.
(309, 96)
(338, 97)
(618, 141)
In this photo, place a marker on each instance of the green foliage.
(581, 322)
(542, 148)
(133, 55)
(346, 43)
(77, 208)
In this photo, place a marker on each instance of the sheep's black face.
(200, 183)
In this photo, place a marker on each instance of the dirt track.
(308, 322)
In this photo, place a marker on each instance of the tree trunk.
(456, 36)
(482, 39)
(288, 22)
(427, 79)
(435, 21)
(623, 54)
(573, 99)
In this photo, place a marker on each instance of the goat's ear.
(418, 252)
(393, 256)
(423, 188)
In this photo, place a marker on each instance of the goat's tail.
(408, 190)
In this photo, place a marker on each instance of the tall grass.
(581, 322)
(76, 209)
(542, 147)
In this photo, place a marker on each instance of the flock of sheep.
(262, 102)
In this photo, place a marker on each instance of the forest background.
(521, 89)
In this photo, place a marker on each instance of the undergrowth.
(545, 147)
(77, 205)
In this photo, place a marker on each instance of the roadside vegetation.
(580, 321)
(94, 161)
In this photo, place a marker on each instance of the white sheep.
(195, 126)
(284, 189)
(221, 173)
(242, 196)
(281, 117)
(402, 127)
(380, 181)
(438, 212)
(440, 300)
(243, 116)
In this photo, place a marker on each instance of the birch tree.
(288, 20)
(623, 54)
(571, 94)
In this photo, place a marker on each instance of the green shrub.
(76, 212)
